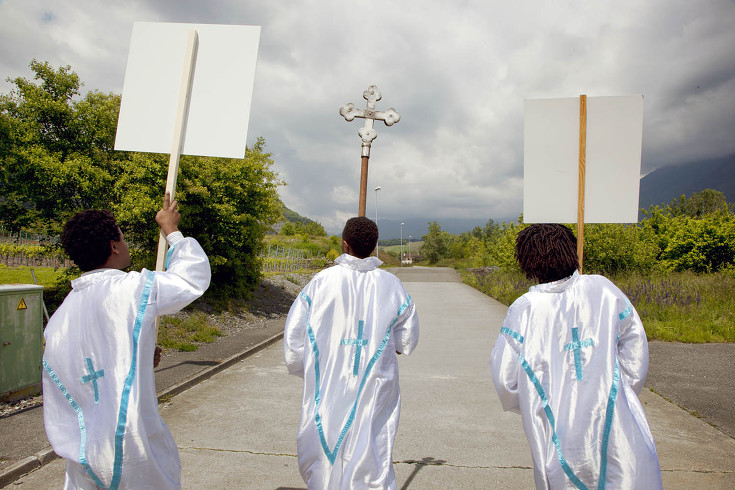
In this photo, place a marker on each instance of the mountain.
(294, 217)
(658, 187)
(667, 183)
(289, 216)
(418, 227)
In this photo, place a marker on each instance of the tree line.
(57, 157)
(695, 233)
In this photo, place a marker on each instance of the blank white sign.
(613, 159)
(221, 93)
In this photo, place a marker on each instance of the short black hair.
(547, 252)
(87, 236)
(361, 234)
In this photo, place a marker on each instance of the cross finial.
(367, 133)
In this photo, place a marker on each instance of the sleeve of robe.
(294, 335)
(187, 275)
(504, 363)
(406, 329)
(632, 347)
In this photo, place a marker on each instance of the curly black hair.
(547, 252)
(361, 234)
(87, 236)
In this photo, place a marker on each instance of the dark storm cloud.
(457, 73)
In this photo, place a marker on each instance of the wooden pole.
(177, 141)
(179, 130)
(582, 163)
(363, 186)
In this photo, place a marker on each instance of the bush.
(706, 244)
(614, 248)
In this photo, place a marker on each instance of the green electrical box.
(21, 339)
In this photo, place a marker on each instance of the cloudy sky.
(457, 72)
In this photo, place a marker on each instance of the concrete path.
(238, 429)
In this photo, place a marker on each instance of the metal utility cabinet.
(21, 339)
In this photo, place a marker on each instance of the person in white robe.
(342, 335)
(571, 358)
(100, 407)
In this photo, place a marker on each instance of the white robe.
(571, 358)
(341, 336)
(100, 407)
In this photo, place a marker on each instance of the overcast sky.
(457, 72)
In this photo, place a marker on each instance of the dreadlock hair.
(361, 234)
(547, 252)
(87, 236)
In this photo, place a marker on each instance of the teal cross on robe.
(93, 376)
(576, 346)
(359, 343)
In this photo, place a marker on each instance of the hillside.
(667, 183)
(658, 187)
(290, 216)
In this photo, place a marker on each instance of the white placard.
(221, 93)
(613, 159)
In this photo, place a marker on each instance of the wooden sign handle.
(582, 163)
(179, 131)
(177, 141)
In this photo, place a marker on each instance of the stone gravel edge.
(25, 466)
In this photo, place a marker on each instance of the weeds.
(185, 334)
(683, 306)
(677, 306)
(506, 287)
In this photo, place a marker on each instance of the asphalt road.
(697, 377)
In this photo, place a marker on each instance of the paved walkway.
(238, 429)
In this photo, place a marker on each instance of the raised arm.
(187, 274)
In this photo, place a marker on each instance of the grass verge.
(46, 276)
(186, 333)
(678, 306)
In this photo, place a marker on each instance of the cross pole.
(367, 133)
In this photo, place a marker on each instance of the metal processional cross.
(367, 133)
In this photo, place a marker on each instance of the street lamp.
(401, 244)
(376, 218)
(409, 250)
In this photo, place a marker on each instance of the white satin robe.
(571, 358)
(100, 407)
(341, 336)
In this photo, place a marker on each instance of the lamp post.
(377, 246)
(409, 250)
(401, 244)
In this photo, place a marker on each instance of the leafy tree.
(289, 229)
(613, 248)
(705, 244)
(435, 243)
(502, 252)
(57, 158)
(699, 204)
(226, 204)
(56, 154)
(309, 228)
